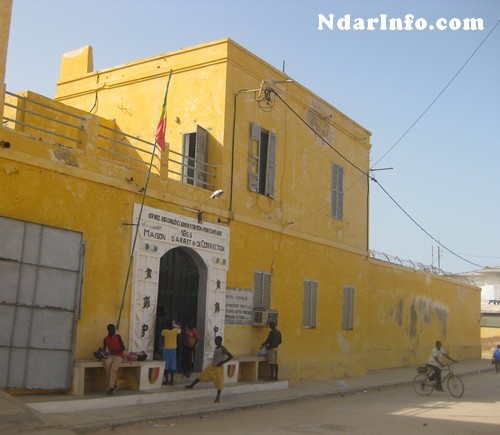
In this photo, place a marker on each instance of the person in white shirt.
(435, 364)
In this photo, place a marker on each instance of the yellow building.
(286, 240)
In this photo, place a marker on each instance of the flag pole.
(144, 192)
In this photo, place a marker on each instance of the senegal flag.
(162, 124)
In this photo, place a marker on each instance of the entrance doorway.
(178, 293)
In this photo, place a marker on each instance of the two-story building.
(257, 209)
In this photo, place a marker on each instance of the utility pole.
(438, 256)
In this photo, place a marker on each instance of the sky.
(431, 99)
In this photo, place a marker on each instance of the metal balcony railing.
(46, 120)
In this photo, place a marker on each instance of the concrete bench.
(88, 374)
(249, 367)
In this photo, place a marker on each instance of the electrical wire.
(439, 95)
(317, 134)
(422, 228)
(372, 178)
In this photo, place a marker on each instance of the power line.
(439, 95)
(317, 134)
(367, 174)
(422, 228)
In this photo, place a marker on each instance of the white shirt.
(436, 354)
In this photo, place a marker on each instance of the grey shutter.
(257, 290)
(262, 290)
(266, 290)
(186, 161)
(253, 181)
(337, 191)
(271, 165)
(306, 313)
(201, 157)
(348, 308)
(314, 303)
(310, 304)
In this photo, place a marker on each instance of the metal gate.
(40, 291)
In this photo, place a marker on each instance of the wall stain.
(66, 156)
(399, 313)
(426, 311)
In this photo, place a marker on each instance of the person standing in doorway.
(215, 372)
(114, 344)
(191, 338)
(170, 334)
(272, 342)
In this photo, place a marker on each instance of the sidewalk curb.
(340, 392)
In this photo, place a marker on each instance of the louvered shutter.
(271, 165)
(306, 310)
(348, 308)
(262, 290)
(314, 303)
(337, 191)
(253, 181)
(310, 304)
(266, 291)
(201, 157)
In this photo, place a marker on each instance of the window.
(310, 304)
(262, 160)
(337, 191)
(195, 158)
(262, 290)
(348, 308)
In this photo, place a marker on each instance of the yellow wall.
(399, 313)
(490, 339)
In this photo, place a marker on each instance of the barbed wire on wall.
(381, 256)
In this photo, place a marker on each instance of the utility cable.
(367, 174)
(439, 95)
(422, 228)
(317, 134)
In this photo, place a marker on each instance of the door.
(177, 290)
(40, 289)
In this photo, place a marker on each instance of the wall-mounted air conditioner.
(259, 317)
(262, 317)
(272, 315)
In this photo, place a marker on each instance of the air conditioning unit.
(259, 317)
(262, 317)
(272, 315)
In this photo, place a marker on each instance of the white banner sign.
(239, 305)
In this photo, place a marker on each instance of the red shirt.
(191, 337)
(113, 345)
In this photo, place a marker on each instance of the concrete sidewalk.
(65, 414)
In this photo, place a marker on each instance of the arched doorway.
(178, 291)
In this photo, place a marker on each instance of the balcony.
(83, 140)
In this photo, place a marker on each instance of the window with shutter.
(270, 165)
(253, 182)
(310, 304)
(262, 161)
(262, 290)
(195, 157)
(348, 308)
(337, 191)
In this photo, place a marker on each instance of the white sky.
(445, 174)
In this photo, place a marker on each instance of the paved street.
(394, 410)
